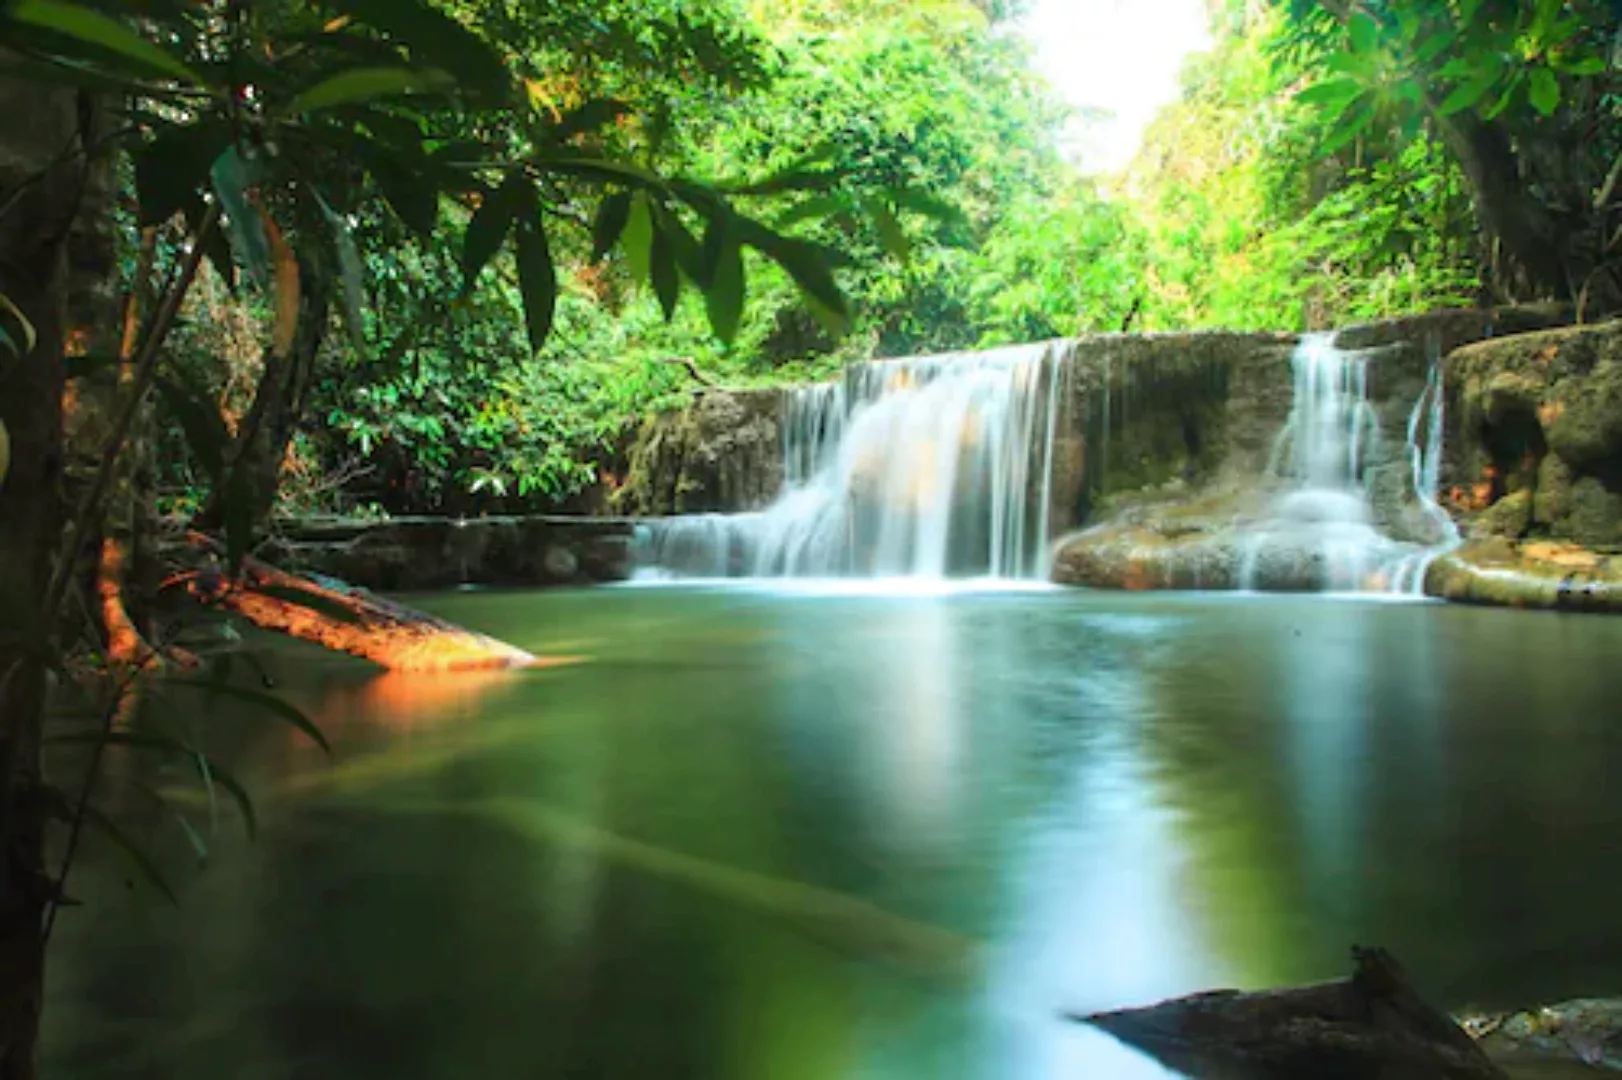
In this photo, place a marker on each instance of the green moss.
(1510, 516)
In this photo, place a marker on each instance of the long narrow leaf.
(358, 85)
(93, 28)
(537, 281)
(609, 224)
(436, 38)
(352, 289)
(283, 711)
(490, 224)
(131, 850)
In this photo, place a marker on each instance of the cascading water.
(931, 467)
(1325, 513)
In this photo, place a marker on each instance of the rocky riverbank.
(409, 554)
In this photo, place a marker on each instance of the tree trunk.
(1537, 243)
(255, 459)
(123, 522)
(42, 127)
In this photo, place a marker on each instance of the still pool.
(836, 834)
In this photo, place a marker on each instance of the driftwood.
(342, 617)
(1372, 1026)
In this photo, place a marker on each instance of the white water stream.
(934, 467)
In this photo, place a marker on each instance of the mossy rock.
(1509, 517)
(1534, 574)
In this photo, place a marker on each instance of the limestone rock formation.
(1537, 435)
(721, 452)
(1197, 512)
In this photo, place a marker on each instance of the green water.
(795, 835)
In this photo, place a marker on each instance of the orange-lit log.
(346, 619)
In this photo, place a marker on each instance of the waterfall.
(1324, 511)
(1425, 429)
(930, 467)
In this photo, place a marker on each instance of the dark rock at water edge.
(407, 554)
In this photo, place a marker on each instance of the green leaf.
(352, 288)
(1468, 10)
(537, 280)
(1331, 92)
(723, 296)
(807, 264)
(232, 176)
(490, 224)
(1582, 66)
(270, 703)
(172, 168)
(140, 860)
(1349, 129)
(403, 174)
(364, 84)
(666, 277)
(436, 39)
(10, 310)
(1472, 90)
(1433, 47)
(1504, 99)
(637, 239)
(818, 206)
(1544, 91)
(891, 236)
(791, 180)
(612, 215)
(604, 169)
(688, 253)
(1349, 63)
(93, 28)
(1365, 32)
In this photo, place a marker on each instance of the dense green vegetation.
(441, 255)
(1296, 184)
(1302, 180)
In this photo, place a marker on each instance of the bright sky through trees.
(1118, 56)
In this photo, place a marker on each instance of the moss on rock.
(1537, 574)
(721, 453)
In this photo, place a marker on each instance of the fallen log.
(1372, 1026)
(341, 617)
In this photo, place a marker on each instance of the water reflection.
(862, 837)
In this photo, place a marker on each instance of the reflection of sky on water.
(1097, 919)
(1322, 690)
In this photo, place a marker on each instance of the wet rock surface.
(407, 554)
(1574, 1038)
(722, 452)
(1535, 436)
(1532, 574)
